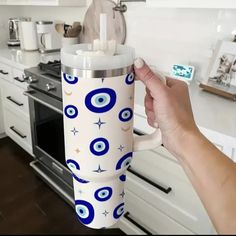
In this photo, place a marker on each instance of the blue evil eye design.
(72, 164)
(100, 100)
(119, 211)
(123, 178)
(125, 161)
(85, 211)
(71, 111)
(103, 194)
(129, 79)
(82, 181)
(126, 115)
(70, 79)
(99, 146)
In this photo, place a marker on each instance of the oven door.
(47, 129)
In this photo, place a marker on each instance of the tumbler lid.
(123, 57)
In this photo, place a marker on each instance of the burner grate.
(52, 68)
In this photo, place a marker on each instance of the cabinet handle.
(17, 132)
(127, 216)
(14, 101)
(3, 72)
(19, 80)
(164, 190)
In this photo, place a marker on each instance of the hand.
(167, 106)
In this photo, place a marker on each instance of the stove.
(46, 77)
(47, 129)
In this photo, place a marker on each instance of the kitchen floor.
(28, 205)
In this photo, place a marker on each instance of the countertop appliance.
(46, 118)
(13, 26)
(49, 38)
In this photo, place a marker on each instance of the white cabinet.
(191, 3)
(78, 3)
(15, 106)
(1, 115)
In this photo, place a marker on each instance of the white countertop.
(24, 59)
(210, 111)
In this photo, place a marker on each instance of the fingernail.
(156, 125)
(139, 63)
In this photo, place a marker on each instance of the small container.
(69, 41)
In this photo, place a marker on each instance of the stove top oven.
(46, 118)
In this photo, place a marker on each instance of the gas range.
(46, 77)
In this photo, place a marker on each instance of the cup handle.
(149, 141)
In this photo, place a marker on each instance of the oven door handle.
(46, 102)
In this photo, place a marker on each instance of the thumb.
(148, 77)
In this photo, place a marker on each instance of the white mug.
(98, 102)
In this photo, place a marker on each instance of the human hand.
(167, 106)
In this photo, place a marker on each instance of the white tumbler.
(98, 102)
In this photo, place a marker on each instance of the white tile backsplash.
(161, 36)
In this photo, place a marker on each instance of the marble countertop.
(14, 56)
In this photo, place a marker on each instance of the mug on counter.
(98, 103)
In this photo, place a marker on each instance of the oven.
(46, 118)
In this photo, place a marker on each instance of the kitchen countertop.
(14, 56)
(210, 111)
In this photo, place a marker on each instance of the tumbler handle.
(149, 141)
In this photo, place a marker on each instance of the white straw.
(103, 28)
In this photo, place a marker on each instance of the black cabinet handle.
(19, 80)
(17, 132)
(3, 72)
(164, 190)
(14, 101)
(127, 216)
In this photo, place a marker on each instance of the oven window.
(49, 132)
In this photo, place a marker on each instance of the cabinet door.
(1, 113)
(17, 2)
(3, 2)
(192, 3)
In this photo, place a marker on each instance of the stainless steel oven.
(46, 118)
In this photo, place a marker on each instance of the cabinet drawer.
(18, 129)
(169, 190)
(150, 218)
(19, 78)
(14, 98)
(5, 72)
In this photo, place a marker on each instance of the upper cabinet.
(79, 3)
(192, 3)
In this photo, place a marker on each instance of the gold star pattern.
(77, 150)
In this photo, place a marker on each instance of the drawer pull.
(3, 72)
(127, 216)
(19, 80)
(17, 132)
(17, 103)
(165, 190)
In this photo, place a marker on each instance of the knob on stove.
(31, 80)
(50, 87)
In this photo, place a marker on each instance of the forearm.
(214, 177)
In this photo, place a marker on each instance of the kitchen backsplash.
(161, 36)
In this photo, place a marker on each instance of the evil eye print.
(123, 178)
(82, 181)
(101, 100)
(103, 194)
(129, 79)
(70, 79)
(119, 210)
(124, 161)
(126, 115)
(71, 111)
(85, 211)
(99, 146)
(72, 164)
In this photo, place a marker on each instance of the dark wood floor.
(28, 205)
